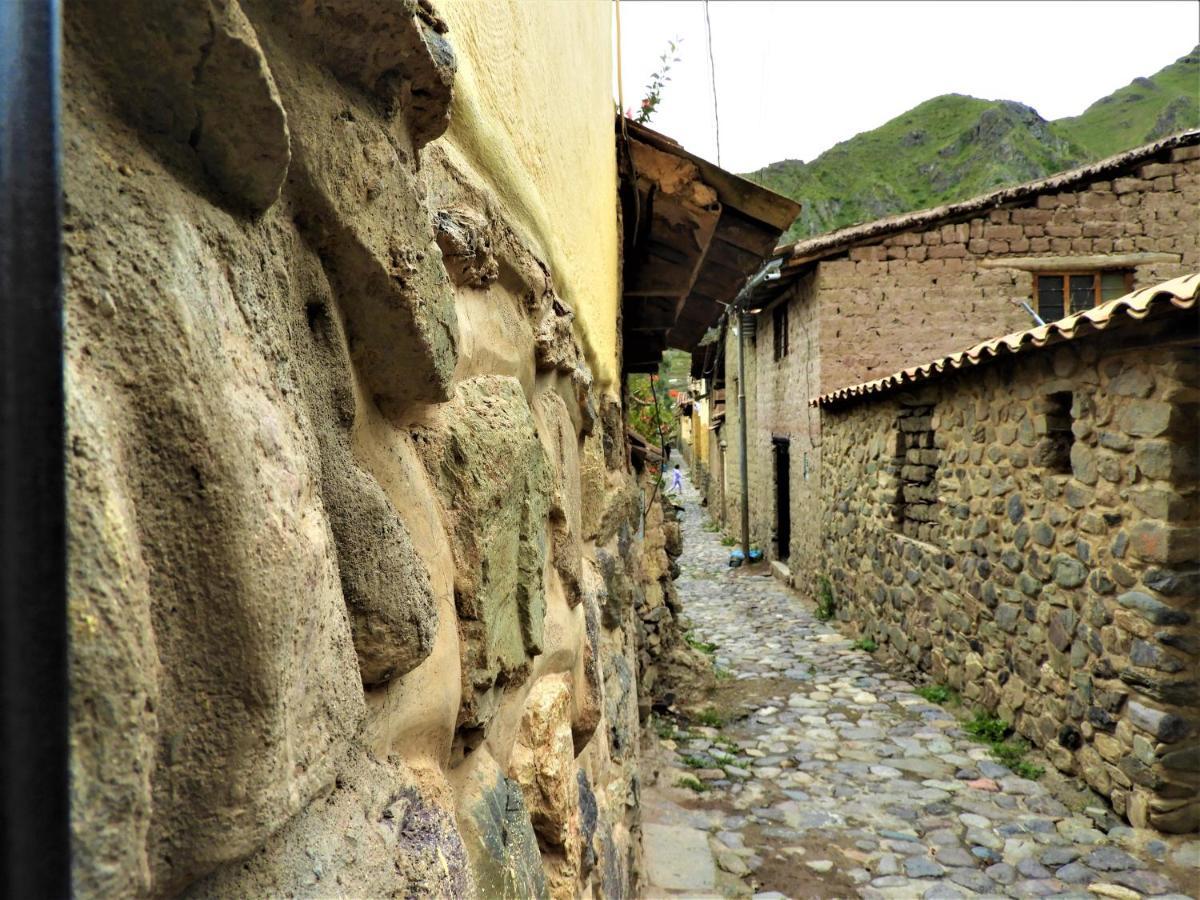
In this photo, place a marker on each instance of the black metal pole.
(34, 807)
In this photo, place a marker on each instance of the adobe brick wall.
(915, 296)
(1064, 601)
(781, 410)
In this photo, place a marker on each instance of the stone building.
(873, 298)
(358, 597)
(1021, 521)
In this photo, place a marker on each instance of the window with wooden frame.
(779, 326)
(1061, 294)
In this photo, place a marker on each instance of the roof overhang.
(693, 235)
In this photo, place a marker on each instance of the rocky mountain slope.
(953, 147)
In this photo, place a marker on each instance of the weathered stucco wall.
(534, 121)
(354, 579)
(1055, 578)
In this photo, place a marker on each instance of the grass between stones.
(939, 694)
(711, 718)
(997, 734)
(702, 646)
(692, 784)
(866, 644)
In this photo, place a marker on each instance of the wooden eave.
(693, 234)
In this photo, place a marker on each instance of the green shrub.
(826, 602)
(865, 643)
(990, 730)
(987, 728)
(702, 646)
(1028, 770)
(937, 693)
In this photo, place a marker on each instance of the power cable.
(712, 69)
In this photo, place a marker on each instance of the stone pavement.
(842, 781)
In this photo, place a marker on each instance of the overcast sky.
(795, 78)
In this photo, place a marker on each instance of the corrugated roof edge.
(1178, 293)
(815, 248)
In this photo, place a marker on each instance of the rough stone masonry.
(1051, 572)
(354, 559)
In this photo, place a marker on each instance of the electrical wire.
(712, 69)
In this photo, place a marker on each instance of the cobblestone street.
(843, 781)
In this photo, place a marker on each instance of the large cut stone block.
(497, 833)
(484, 457)
(192, 76)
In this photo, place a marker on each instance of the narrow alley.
(842, 781)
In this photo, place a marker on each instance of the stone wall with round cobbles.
(1051, 571)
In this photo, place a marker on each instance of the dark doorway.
(783, 499)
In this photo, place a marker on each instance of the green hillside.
(1142, 111)
(954, 147)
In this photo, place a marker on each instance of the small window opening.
(1053, 423)
(779, 325)
(1060, 294)
(916, 513)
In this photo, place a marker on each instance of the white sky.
(794, 78)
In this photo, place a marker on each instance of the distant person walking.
(676, 479)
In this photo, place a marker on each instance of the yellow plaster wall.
(533, 119)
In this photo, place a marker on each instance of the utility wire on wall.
(712, 69)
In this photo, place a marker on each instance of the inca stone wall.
(1053, 570)
(355, 576)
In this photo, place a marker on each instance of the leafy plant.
(702, 646)
(658, 80)
(649, 411)
(1028, 770)
(727, 541)
(711, 526)
(711, 718)
(693, 784)
(987, 728)
(938, 693)
(866, 644)
(826, 601)
(695, 762)
(665, 729)
(993, 731)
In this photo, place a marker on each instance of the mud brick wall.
(782, 412)
(1058, 589)
(920, 295)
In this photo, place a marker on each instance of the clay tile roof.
(834, 242)
(1179, 293)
